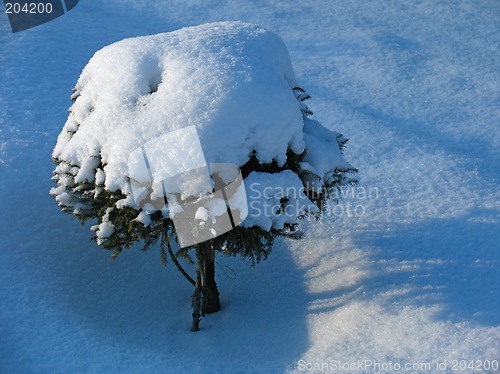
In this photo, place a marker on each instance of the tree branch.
(179, 267)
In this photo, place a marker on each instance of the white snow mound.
(231, 80)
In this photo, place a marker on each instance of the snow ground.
(406, 273)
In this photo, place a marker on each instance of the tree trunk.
(211, 301)
(196, 303)
(206, 295)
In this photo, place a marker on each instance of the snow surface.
(404, 270)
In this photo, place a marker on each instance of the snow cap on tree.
(231, 80)
(235, 84)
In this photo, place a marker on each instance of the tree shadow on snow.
(138, 302)
(453, 262)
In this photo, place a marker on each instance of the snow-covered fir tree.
(234, 84)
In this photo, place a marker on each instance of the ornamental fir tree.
(196, 142)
